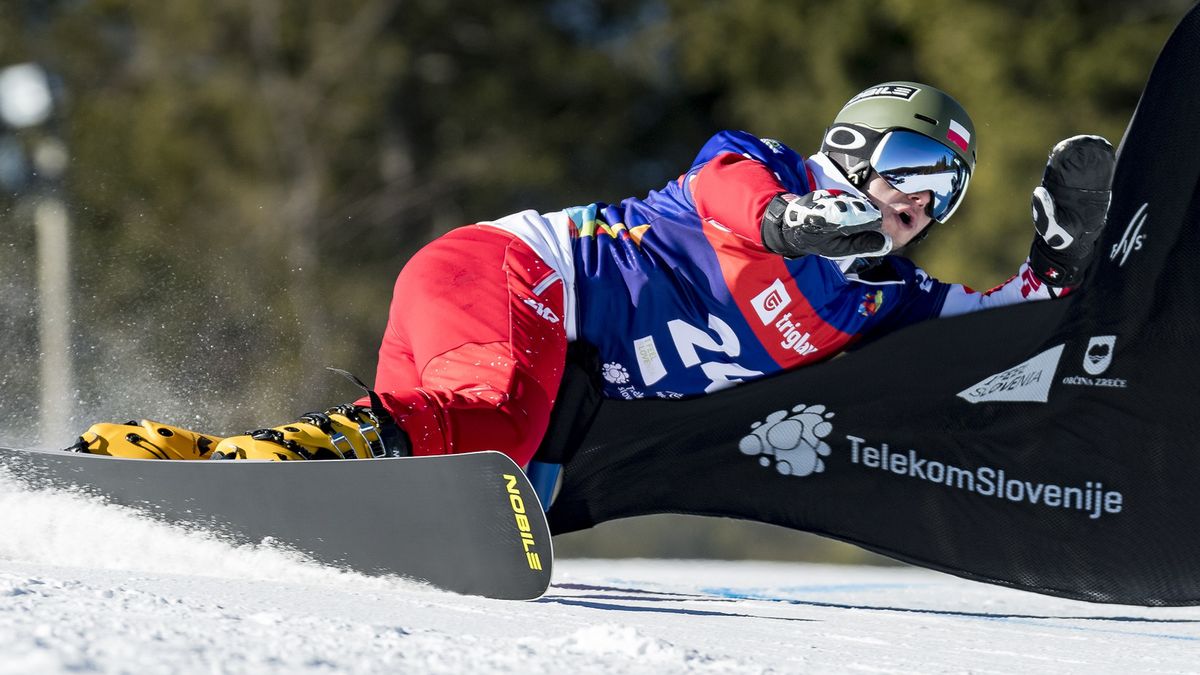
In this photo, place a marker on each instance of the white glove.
(835, 225)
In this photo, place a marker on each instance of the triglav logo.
(1028, 381)
(794, 442)
(773, 300)
(1099, 354)
(1132, 239)
(769, 304)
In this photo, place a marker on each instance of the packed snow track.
(91, 588)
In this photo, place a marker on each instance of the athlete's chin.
(901, 232)
(900, 235)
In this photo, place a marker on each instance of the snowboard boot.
(342, 432)
(145, 440)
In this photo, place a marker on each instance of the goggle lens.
(914, 163)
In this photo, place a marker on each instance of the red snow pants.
(475, 345)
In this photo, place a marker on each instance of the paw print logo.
(615, 373)
(792, 441)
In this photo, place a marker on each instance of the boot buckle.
(370, 434)
(342, 445)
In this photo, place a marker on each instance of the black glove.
(1069, 208)
(833, 225)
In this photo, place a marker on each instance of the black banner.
(1050, 446)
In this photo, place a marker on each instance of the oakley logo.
(1132, 239)
(845, 138)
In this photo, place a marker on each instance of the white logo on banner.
(1099, 354)
(773, 300)
(1028, 381)
(1085, 496)
(793, 442)
(1132, 239)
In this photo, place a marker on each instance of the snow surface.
(86, 587)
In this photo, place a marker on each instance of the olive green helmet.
(857, 138)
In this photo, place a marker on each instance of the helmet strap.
(855, 169)
(850, 147)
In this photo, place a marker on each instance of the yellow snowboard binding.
(342, 432)
(146, 439)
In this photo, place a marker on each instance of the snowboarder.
(754, 261)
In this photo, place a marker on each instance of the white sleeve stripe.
(1023, 287)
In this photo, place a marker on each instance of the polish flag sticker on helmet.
(959, 135)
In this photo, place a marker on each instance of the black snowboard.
(466, 523)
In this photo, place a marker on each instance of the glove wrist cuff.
(1052, 268)
(772, 227)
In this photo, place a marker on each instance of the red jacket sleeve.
(734, 191)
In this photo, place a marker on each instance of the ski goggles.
(912, 163)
